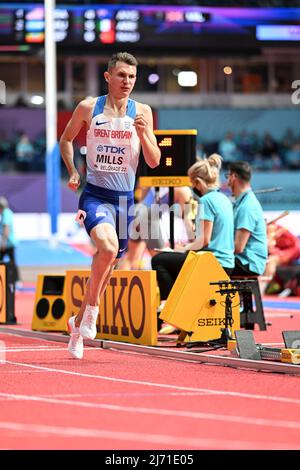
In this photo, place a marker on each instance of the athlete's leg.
(106, 242)
(134, 255)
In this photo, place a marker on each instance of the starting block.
(247, 349)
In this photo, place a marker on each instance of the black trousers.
(167, 266)
(10, 252)
(243, 270)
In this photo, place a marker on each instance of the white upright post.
(51, 117)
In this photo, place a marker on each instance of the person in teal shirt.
(7, 236)
(216, 226)
(249, 224)
(250, 233)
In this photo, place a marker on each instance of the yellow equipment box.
(194, 305)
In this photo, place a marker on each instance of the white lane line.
(22, 347)
(273, 423)
(39, 349)
(127, 394)
(22, 371)
(160, 439)
(295, 401)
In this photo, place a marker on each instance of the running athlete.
(117, 128)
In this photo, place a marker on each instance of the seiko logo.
(115, 305)
(166, 181)
(212, 322)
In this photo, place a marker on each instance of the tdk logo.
(111, 149)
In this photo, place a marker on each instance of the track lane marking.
(159, 411)
(40, 349)
(160, 439)
(295, 401)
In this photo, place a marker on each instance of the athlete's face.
(121, 79)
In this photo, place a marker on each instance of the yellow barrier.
(193, 304)
(127, 308)
(50, 309)
(7, 293)
(2, 294)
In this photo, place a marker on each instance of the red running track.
(120, 400)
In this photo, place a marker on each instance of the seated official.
(250, 237)
(216, 226)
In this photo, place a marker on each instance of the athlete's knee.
(108, 252)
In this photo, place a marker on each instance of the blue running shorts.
(101, 205)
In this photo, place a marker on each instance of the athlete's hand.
(140, 124)
(74, 181)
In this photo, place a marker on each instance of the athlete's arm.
(144, 128)
(80, 116)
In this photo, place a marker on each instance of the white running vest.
(113, 148)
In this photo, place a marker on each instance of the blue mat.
(278, 304)
(40, 253)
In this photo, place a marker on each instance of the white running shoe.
(75, 345)
(167, 329)
(88, 327)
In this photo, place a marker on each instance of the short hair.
(241, 169)
(122, 57)
(3, 202)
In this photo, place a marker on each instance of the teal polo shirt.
(216, 207)
(6, 218)
(248, 215)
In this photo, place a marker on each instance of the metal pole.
(172, 217)
(51, 114)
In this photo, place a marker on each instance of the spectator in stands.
(289, 138)
(24, 153)
(292, 157)
(7, 236)
(283, 249)
(250, 238)
(269, 152)
(244, 142)
(5, 149)
(228, 148)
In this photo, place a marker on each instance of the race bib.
(112, 158)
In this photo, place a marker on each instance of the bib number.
(110, 158)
